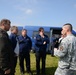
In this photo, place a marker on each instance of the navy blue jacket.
(39, 43)
(25, 44)
(13, 40)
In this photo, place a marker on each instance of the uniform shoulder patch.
(61, 48)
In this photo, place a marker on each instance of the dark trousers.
(25, 56)
(2, 72)
(14, 63)
(40, 55)
(52, 50)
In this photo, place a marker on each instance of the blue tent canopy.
(36, 28)
(73, 32)
(20, 27)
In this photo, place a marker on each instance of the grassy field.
(51, 65)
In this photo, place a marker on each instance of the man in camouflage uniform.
(66, 52)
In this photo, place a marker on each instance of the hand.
(55, 48)
(42, 36)
(7, 71)
(44, 42)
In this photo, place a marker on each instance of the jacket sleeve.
(30, 43)
(38, 41)
(4, 53)
(13, 42)
(20, 39)
(47, 40)
(62, 50)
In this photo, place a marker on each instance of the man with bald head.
(66, 52)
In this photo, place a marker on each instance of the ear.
(2, 24)
(67, 29)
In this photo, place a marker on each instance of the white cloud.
(28, 11)
(25, 10)
(26, 6)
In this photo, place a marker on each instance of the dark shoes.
(41, 74)
(30, 73)
(22, 73)
(44, 74)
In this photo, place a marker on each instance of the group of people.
(66, 50)
(8, 55)
(25, 45)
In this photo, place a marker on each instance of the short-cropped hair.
(70, 26)
(40, 29)
(13, 28)
(5, 21)
(24, 30)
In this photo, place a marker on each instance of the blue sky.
(39, 12)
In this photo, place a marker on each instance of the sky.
(39, 12)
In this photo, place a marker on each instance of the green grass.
(51, 65)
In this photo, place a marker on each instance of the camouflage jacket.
(67, 52)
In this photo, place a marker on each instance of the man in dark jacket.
(13, 37)
(40, 45)
(25, 45)
(6, 52)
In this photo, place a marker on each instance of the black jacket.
(6, 52)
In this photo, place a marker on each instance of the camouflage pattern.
(67, 56)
